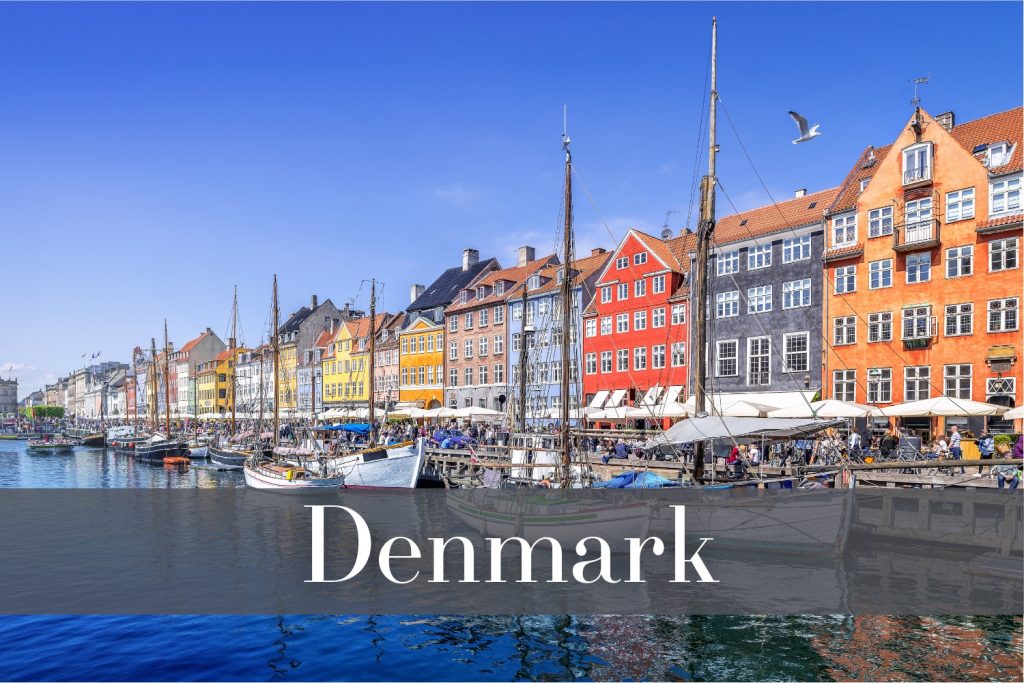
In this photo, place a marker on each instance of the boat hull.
(226, 457)
(385, 468)
(54, 450)
(156, 452)
(95, 440)
(257, 478)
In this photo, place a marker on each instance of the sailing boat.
(271, 473)
(229, 454)
(161, 446)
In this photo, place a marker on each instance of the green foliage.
(1004, 439)
(43, 412)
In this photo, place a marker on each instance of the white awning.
(651, 397)
(616, 398)
(672, 395)
(599, 399)
(717, 427)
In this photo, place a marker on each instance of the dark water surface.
(469, 648)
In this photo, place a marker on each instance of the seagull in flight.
(805, 132)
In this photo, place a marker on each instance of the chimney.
(598, 251)
(802, 192)
(416, 290)
(947, 120)
(312, 303)
(209, 331)
(526, 254)
(470, 257)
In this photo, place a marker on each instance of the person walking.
(954, 446)
(986, 448)
(853, 444)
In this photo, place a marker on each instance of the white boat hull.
(387, 468)
(254, 478)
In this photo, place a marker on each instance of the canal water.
(554, 647)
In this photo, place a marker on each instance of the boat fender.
(290, 473)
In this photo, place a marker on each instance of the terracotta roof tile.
(1001, 221)
(1004, 126)
(837, 253)
(517, 275)
(583, 267)
(325, 338)
(194, 342)
(772, 218)
(867, 164)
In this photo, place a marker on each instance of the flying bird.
(805, 132)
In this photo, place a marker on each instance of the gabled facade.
(254, 387)
(345, 380)
(634, 333)
(421, 363)
(923, 269)
(323, 316)
(202, 348)
(765, 298)
(544, 352)
(387, 366)
(476, 334)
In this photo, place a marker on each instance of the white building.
(202, 349)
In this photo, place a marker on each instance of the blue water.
(469, 648)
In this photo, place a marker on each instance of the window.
(606, 294)
(622, 262)
(1002, 315)
(499, 374)
(678, 354)
(880, 274)
(430, 344)
(919, 268)
(484, 374)
(606, 325)
(880, 327)
(542, 372)
(1004, 197)
(430, 375)
(640, 358)
(622, 360)
(796, 249)
(728, 262)
(405, 346)
(517, 311)
(1001, 386)
(864, 183)
(917, 163)
(556, 371)
(918, 217)
(516, 342)
(997, 155)
(727, 304)
(844, 330)
(499, 287)
(484, 316)
(1002, 254)
(482, 346)
(468, 349)
(678, 314)
(916, 381)
(844, 385)
(957, 381)
(844, 230)
(481, 292)
(759, 257)
(959, 319)
(533, 282)
(499, 344)
(658, 317)
(640, 288)
(880, 221)
(622, 322)
(623, 293)
(640, 320)
(606, 362)
(469, 376)
(421, 373)
(499, 315)
(880, 385)
(959, 261)
(846, 279)
(658, 284)
(531, 312)
(796, 294)
(917, 322)
(453, 351)
(640, 258)
(405, 376)
(727, 359)
(759, 351)
(759, 299)
(960, 205)
(590, 328)
(797, 351)
(469, 321)
(590, 364)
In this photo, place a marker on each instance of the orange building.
(421, 363)
(922, 267)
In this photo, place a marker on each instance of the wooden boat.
(95, 440)
(279, 477)
(228, 457)
(125, 445)
(391, 467)
(159, 447)
(51, 446)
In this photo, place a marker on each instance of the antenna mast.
(704, 233)
(923, 80)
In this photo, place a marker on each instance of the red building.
(635, 329)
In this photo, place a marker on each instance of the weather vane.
(918, 81)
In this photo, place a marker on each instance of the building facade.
(200, 349)
(923, 274)
(765, 298)
(8, 395)
(387, 366)
(476, 334)
(421, 363)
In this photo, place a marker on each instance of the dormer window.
(561, 276)
(622, 263)
(864, 183)
(533, 282)
(917, 163)
(499, 287)
(481, 292)
(463, 296)
(997, 155)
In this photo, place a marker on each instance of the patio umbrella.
(730, 407)
(944, 406)
(1014, 413)
(475, 411)
(828, 408)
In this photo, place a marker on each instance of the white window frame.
(1008, 305)
(916, 375)
(590, 364)
(912, 152)
(622, 360)
(639, 288)
(658, 317)
(727, 304)
(623, 291)
(734, 358)
(1006, 250)
(621, 263)
(881, 268)
(639, 320)
(960, 205)
(759, 299)
(786, 353)
(796, 249)
(847, 275)
(606, 325)
(761, 357)
(590, 327)
(844, 230)
(877, 324)
(678, 354)
(622, 323)
(954, 372)
(961, 260)
(844, 385)
(794, 291)
(728, 262)
(606, 294)
(658, 358)
(921, 259)
(658, 284)
(879, 387)
(957, 314)
(759, 256)
(678, 314)
(914, 315)
(880, 221)
(1004, 197)
(607, 362)
(640, 258)
(844, 330)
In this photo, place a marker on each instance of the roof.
(774, 217)
(195, 342)
(325, 338)
(443, 290)
(1004, 126)
(360, 327)
(516, 275)
(674, 251)
(582, 269)
(867, 164)
(223, 355)
(1001, 223)
(840, 253)
(294, 320)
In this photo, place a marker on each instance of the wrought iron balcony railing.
(916, 236)
(917, 175)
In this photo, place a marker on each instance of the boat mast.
(135, 382)
(154, 415)
(566, 312)
(231, 357)
(373, 364)
(167, 380)
(523, 359)
(277, 365)
(704, 235)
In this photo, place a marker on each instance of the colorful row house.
(923, 277)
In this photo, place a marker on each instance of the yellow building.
(345, 367)
(206, 387)
(224, 368)
(421, 363)
(287, 371)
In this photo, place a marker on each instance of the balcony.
(916, 236)
(919, 331)
(913, 177)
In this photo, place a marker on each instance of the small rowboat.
(53, 446)
(285, 478)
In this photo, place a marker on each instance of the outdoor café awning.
(616, 400)
(718, 427)
(599, 399)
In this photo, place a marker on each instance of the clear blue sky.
(151, 156)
